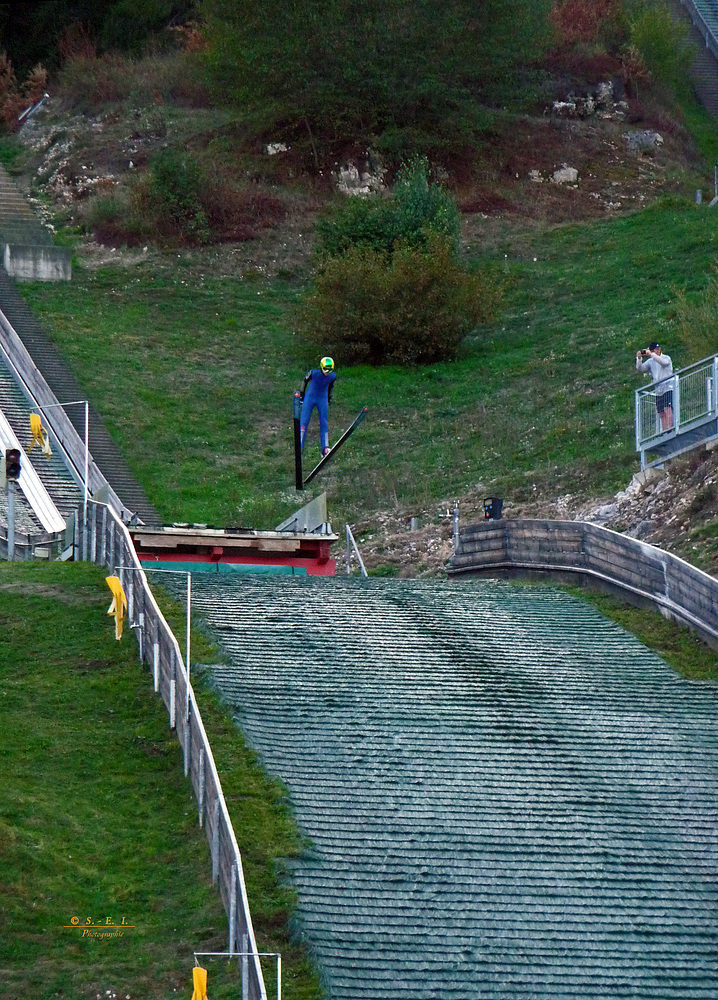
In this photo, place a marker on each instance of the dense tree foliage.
(30, 32)
(416, 73)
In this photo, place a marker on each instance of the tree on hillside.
(415, 72)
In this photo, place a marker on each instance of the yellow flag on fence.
(118, 608)
(39, 435)
(199, 980)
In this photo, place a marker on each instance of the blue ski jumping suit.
(317, 392)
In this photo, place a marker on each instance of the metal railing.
(704, 18)
(693, 402)
(104, 539)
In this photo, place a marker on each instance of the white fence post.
(215, 841)
(232, 909)
(156, 665)
(200, 786)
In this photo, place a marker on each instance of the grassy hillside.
(194, 372)
(97, 819)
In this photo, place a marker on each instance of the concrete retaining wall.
(37, 263)
(581, 553)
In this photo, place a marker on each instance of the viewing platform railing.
(694, 405)
(704, 15)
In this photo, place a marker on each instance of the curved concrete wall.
(579, 552)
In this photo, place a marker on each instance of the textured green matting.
(507, 795)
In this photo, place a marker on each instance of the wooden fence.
(104, 539)
(580, 552)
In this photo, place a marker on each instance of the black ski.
(330, 454)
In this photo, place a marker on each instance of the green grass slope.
(97, 820)
(194, 373)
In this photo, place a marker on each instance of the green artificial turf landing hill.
(97, 821)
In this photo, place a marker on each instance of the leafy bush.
(390, 286)
(662, 42)
(88, 83)
(180, 201)
(172, 196)
(112, 222)
(15, 98)
(580, 21)
(416, 209)
(413, 306)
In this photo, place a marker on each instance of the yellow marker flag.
(39, 435)
(199, 981)
(118, 608)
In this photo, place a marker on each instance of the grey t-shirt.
(661, 367)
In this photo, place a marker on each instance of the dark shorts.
(664, 402)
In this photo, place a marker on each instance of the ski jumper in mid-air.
(317, 393)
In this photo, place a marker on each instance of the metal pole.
(455, 515)
(349, 552)
(87, 453)
(279, 976)
(350, 537)
(677, 405)
(10, 520)
(245, 968)
(189, 615)
(76, 536)
(84, 534)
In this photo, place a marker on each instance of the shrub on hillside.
(417, 208)
(173, 196)
(15, 97)
(662, 42)
(391, 287)
(580, 21)
(112, 222)
(88, 82)
(178, 201)
(413, 306)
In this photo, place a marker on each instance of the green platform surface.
(507, 795)
(205, 567)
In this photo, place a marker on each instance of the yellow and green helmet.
(327, 365)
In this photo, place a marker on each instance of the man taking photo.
(660, 367)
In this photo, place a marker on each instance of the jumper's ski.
(330, 454)
(297, 407)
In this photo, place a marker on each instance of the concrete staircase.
(66, 494)
(28, 252)
(18, 222)
(67, 389)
